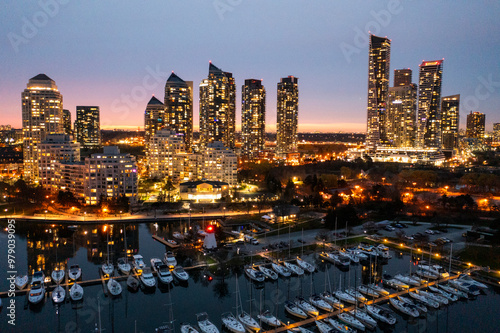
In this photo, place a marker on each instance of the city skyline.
(322, 49)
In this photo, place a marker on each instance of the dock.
(165, 242)
(381, 299)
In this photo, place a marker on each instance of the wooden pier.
(165, 242)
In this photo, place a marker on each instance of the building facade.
(87, 126)
(179, 108)
(67, 124)
(287, 115)
(217, 108)
(110, 174)
(162, 155)
(154, 118)
(475, 125)
(429, 104)
(496, 132)
(450, 121)
(401, 116)
(379, 60)
(42, 114)
(253, 118)
(402, 77)
(220, 163)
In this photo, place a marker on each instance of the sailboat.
(188, 328)
(58, 273)
(76, 292)
(58, 294)
(246, 319)
(205, 325)
(122, 263)
(21, 281)
(107, 267)
(328, 296)
(114, 287)
(269, 273)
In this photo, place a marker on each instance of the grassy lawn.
(482, 256)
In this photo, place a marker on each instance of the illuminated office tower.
(67, 122)
(379, 59)
(179, 108)
(87, 126)
(402, 77)
(217, 108)
(253, 117)
(42, 113)
(154, 118)
(429, 108)
(287, 115)
(450, 121)
(401, 116)
(475, 125)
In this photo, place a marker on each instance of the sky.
(118, 53)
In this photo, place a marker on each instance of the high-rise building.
(450, 106)
(110, 174)
(287, 115)
(429, 104)
(154, 118)
(220, 163)
(379, 60)
(179, 108)
(56, 148)
(402, 77)
(401, 116)
(496, 132)
(253, 117)
(162, 154)
(67, 122)
(87, 126)
(475, 125)
(42, 113)
(217, 108)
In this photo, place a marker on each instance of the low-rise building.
(203, 190)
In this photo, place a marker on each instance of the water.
(145, 310)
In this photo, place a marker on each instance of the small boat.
(426, 274)
(305, 265)
(281, 270)
(37, 292)
(21, 281)
(123, 266)
(178, 235)
(396, 284)
(231, 323)
(293, 268)
(404, 308)
(107, 269)
(323, 327)
(205, 325)
(436, 270)
(421, 308)
(351, 321)
(465, 286)
(450, 297)
(467, 278)
(58, 294)
(169, 259)
(254, 274)
(368, 291)
(381, 314)
(344, 297)
(188, 328)
(138, 263)
(339, 327)
(74, 272)
(57, 275)
(172, 242)
(383, 251)
(269, 273)
(328, 257)
(180, 273)
(364, 317)
(114, 287)
(424, 300)
(249, 323)
(164, 274)
(306, 306)
(147, 278)
(132, 283)
(76, 292)
(454, 291)
(294, 310)
(356, 294)
(267, 318)
(381, 291)
(38, 276)
(332, 300)
(320, 303)
(352, 256)
(442, 300)
(407, 280)
(357, 253)
(155, 262)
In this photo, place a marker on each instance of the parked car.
(429, 231)
(389, 228)
(409, 237)
(397, 225)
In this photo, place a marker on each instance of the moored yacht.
(180, 274)
(340, 327)
(332, 300)
(442, 300)
(37, 292)
(231, 323)
(38, 276)
(454, 291)
(205, 325)
(138, 263)
(281, 270)
(344, 297)
(58, 294)
(396, 284)
(249, 323)
(76, 292)
(293, 268)
(381, 314)
(305, 265)
(169, 259)
(450, 297)
(368, 291)
(306, 306)
(351, 321)
(147, 278)
(114, 287)
(21, 281)
(381, 291)
(132, 283)
(320, 303)
(188, 328)
(164, 274)
(467, 278)
(57, 275)
(268, 272)
(364, 317)
(407, 280)
(254, 274)
(323, 327)
(404, 308)
(123, 266)
(154, 263)
(74, 272)
(267, 318)
(421, 308)
(424, 300)
(436, 270)
(356, 294)
(294, 310)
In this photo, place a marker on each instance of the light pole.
(45, 215)
(224, 213)
(120, 214)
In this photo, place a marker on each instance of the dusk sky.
(116, 54)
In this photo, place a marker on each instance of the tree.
(168, 187)
(289, 191)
